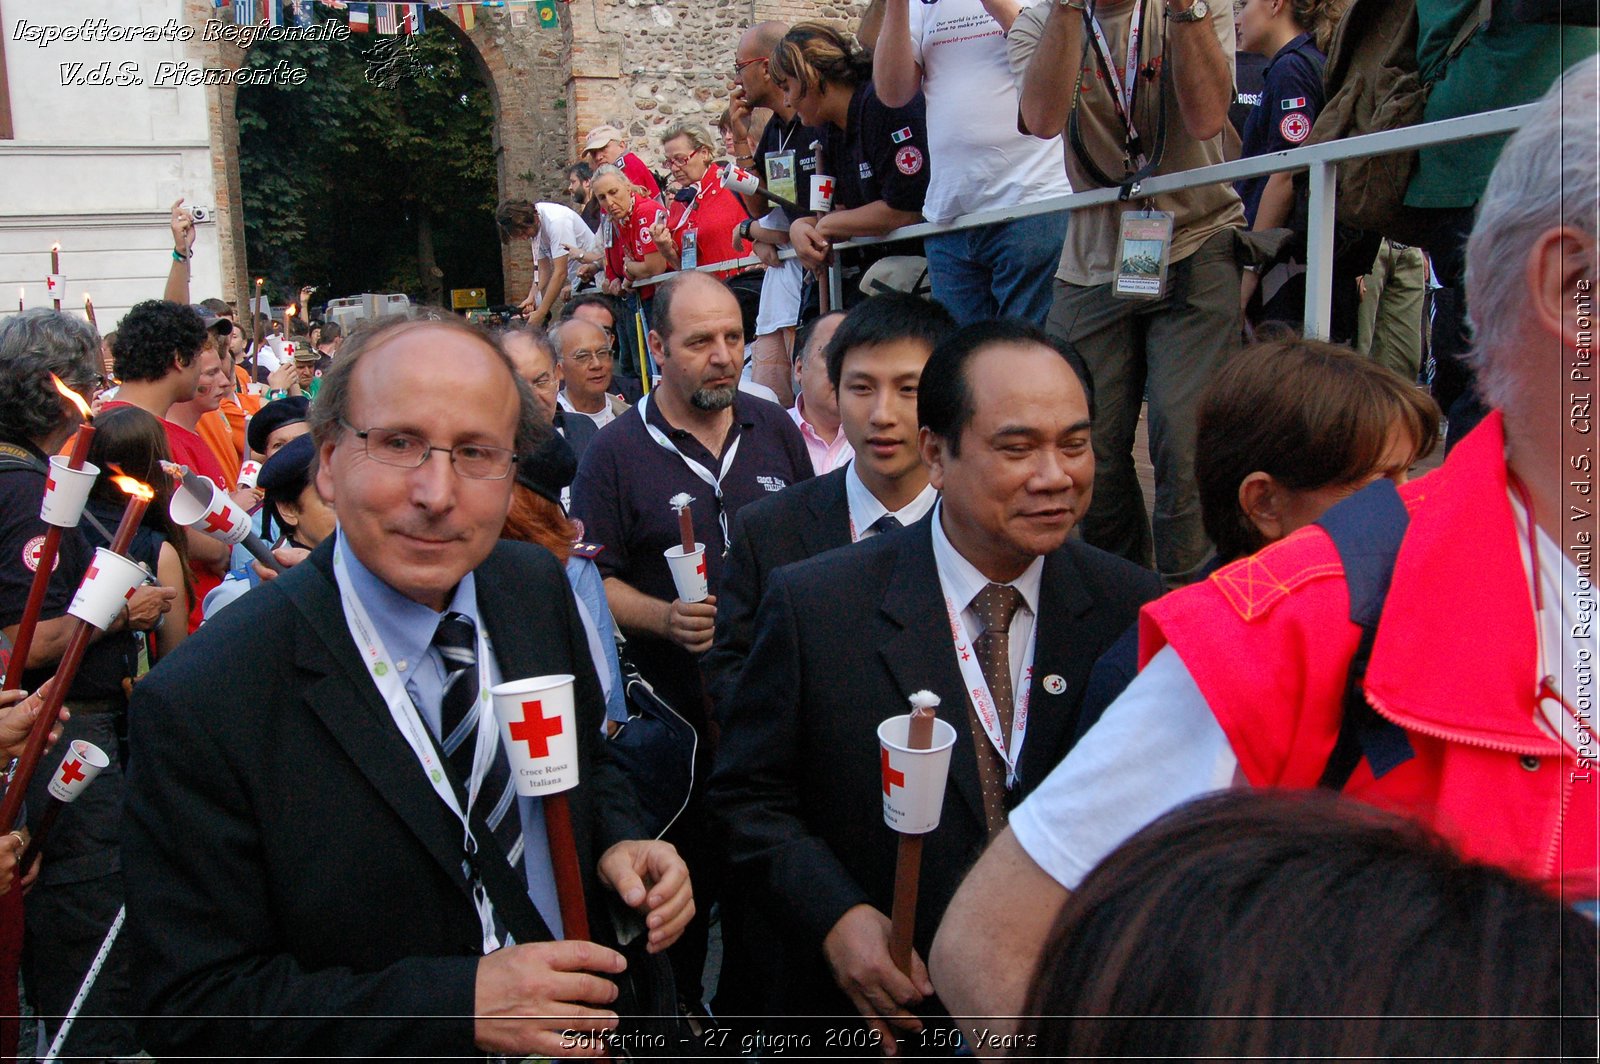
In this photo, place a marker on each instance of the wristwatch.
(744, 230)
(1199, 11)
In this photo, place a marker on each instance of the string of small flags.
(386, 16)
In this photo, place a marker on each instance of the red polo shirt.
(713, 214)
(632, 240)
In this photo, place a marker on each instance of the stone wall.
(645, 64)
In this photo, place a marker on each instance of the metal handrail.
(1321, 160)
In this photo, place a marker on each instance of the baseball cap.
(213, 323)
(600, 136)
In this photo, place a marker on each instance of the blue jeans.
(1003, 270)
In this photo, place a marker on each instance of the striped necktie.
(456, 640)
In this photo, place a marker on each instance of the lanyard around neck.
(381, 667)
(983, 699)
(699, 470)
(1122, 91)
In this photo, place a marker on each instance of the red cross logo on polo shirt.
(826, 188)
(892, 777)
(536, 729)
(218, 522)
(71, 772)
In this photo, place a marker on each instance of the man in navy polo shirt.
(695, 433)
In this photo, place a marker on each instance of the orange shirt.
(223, 432)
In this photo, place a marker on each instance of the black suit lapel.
(830, 511)
(921, 655)
(347, 702)
(1064, 602)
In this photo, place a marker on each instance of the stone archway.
(523, 70)
(640, 64)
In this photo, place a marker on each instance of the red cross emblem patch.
(32, 551)
(1295, 127)
(908, 160)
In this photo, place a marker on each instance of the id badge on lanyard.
(1144, 250)
(689, 255)
(409, 722)
(781, 181)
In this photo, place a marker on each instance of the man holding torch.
(361, 891)
(987, 596)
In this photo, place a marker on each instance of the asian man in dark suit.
(988, 595)
(299, 883)
(874, 355)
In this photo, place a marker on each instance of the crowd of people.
(1297, 698)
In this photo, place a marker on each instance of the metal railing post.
(1319, 249)
(835, 284)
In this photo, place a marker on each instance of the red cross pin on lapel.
(535, 729)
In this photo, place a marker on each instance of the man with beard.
(695, 433)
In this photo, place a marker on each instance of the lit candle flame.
(136, 489)
(68, 393)
(174, 470)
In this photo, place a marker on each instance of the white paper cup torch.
(689, 572)
(821, 192)
(249, 472)
(199, 505)
(79, 766)
(539, 729)
(65, 491)
(742, 181)
(913, 780)
(107, 586)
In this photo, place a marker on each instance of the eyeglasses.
(589, 358)
(679, 160)
(739, 65)
(475, 461)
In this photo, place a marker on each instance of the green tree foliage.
(374, 171)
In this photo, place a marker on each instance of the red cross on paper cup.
(107, 585)
(689, 572)
(216, 515)
(821, 192)
(913, 780)
(892, 777)
(65, 491)
(539, 730)
(79, 766)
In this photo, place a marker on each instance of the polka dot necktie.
(995, 605)
(456, 640)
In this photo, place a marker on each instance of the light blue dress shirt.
(406, 628)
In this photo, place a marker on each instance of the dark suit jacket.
(578, 429)
(286, 859)
(799, 522)
(841, 642)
